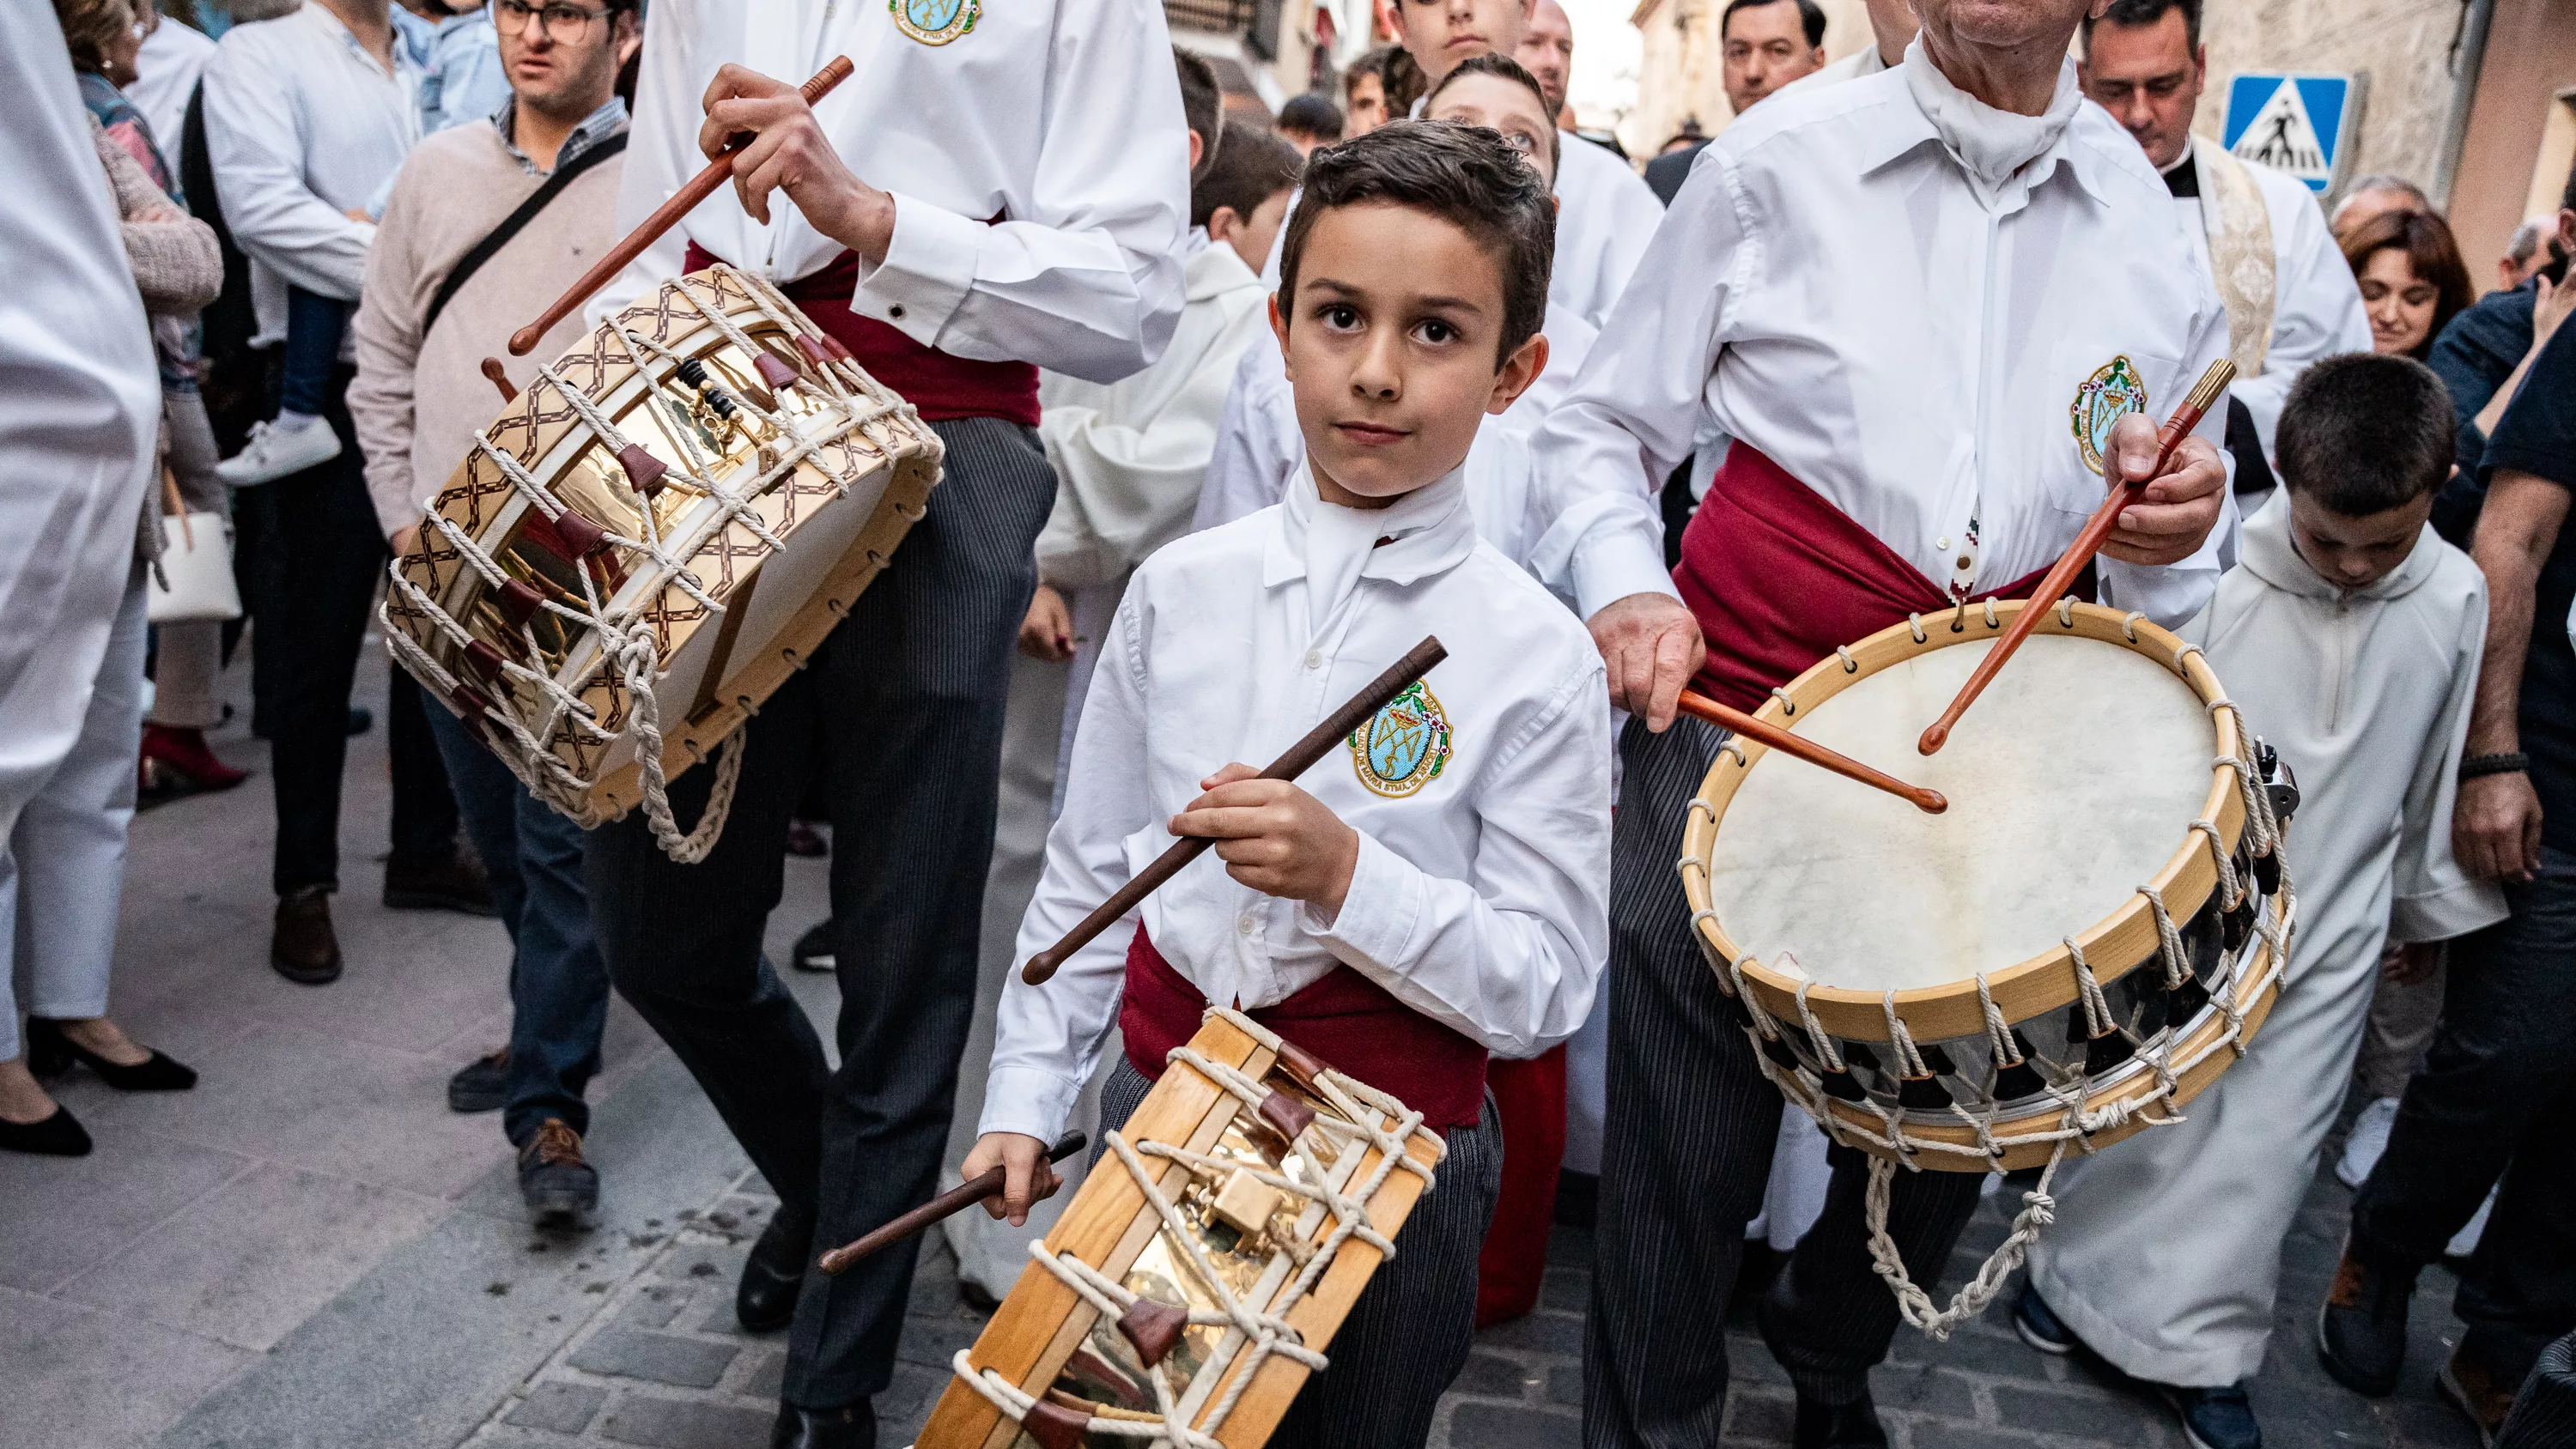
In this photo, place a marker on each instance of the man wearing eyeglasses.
(997, 188)
(540, 174)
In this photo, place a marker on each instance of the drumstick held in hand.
(1763, 732)
(1300, 757)
(2097, 531)
(956, 1199)
(664, 217)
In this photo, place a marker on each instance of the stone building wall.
(2403, 46)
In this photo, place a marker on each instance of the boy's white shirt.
(2365, 692)
(1258, 445)
(1480, 900)
(1129, 456)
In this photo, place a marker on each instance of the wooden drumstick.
(1300, 757)
(664, 217)
(956, 1199)
(1763, 732)
(2097, 530)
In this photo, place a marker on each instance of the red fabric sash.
(1778, 577)
(941, 387)
(1349, 1021)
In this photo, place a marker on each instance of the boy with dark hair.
(1398, 914)
(1309, 121)
(1242, 197)
(1364, 91)
(1202, 106)
(2351, 637)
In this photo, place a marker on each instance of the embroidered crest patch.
(1404, 746)
(935, 22)
(2113, 391)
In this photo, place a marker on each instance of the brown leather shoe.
(455, 882)
(560, 1189)
(2466, 1386)
(304, 950)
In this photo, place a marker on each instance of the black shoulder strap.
(538, 200)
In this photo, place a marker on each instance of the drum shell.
(839, 518)
(1109, 1225)
(2023, 991)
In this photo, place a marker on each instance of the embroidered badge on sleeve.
(2113, 391)
(1404, 746)
(935, 22)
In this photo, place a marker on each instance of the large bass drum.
(647, 541)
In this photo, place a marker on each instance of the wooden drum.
(646, 542)
(2090, 934)
(1194, 1281)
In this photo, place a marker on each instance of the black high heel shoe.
(57, 1136)
(51, 1052)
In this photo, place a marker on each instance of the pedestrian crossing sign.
(2300, 124)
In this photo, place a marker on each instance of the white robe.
(2166, 1253)
(80, 403)
(1128, 459)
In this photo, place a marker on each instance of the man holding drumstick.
(1895, 294)
(995, 189)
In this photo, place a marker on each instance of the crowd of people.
(1234, 412)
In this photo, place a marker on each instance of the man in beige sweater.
(419, 399)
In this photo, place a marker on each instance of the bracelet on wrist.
(2476, 766)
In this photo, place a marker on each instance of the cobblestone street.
(310, 1252)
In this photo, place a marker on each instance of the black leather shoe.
(560, 1189)
(56, 1136)
(1836, 1426)
(766, 1301)
(303, 949)
(51, 1052)
(481, 1085)
(814, 950)
(2361, 1331)
(852, 1428)
(453, 883)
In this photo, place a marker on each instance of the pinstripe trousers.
(1409, 1333)
(1686, 1154)
(899, 719)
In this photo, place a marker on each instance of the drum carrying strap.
(526, 211)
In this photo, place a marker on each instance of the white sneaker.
(2369, 1139)
(274, 452)
(2465, 1241)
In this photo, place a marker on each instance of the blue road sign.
(2294, 123)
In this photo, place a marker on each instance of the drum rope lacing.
(2079, 1119)
(1366, 1115)
(626, 642)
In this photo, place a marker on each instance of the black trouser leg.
(911, 690)
(1686, 1155)
(1829, 1316)
(1686, 1138)
(424, 813)
(332, 554)
(1411, 1329)
(2487, 1106)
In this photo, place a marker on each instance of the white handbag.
(193, 580)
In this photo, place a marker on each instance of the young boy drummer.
(1398, 925)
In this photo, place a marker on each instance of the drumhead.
(2073, 780)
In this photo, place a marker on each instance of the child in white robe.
(2350, 636)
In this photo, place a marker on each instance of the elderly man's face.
(2007, 24)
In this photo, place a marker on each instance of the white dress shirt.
(1258, 445)
(2316, 303)
(1605, 216)
(1058, 123)
(1861, 62)
(77, 417)
(1480, 899)
(1904, 334)
(303, 126)
(166, 71)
